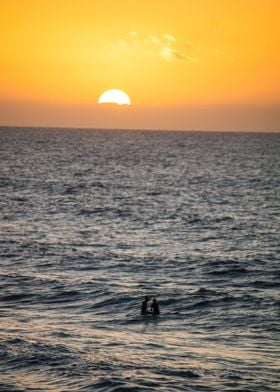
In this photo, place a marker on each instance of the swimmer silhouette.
(155, 308)
(144, 308)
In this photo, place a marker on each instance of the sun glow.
(118, 97)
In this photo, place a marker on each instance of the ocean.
(92, 221)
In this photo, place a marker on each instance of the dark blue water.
(92, 221)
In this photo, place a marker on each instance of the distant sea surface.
(91, 221)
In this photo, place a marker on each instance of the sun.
(114, 96)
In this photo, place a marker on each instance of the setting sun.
(116, 96)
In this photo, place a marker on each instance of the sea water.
(94, 220)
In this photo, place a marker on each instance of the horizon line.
(140, 129)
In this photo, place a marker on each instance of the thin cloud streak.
(165, 46)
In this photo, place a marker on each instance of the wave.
(265, 284)
(181, 373)
(230, 271)
(16, 297)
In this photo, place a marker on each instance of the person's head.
(147, 298)
(154, 300)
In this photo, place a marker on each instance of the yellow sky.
(179, 54)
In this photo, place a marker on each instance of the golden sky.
(185, 64)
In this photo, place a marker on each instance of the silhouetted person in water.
(144, 308)
(155, 308)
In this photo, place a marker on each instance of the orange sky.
(186, 64)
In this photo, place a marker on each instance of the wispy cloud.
(154, 40)
(169, 38)
(169, 47)
(169, 54)
(164, 45)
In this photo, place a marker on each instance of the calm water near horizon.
(91, 221)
